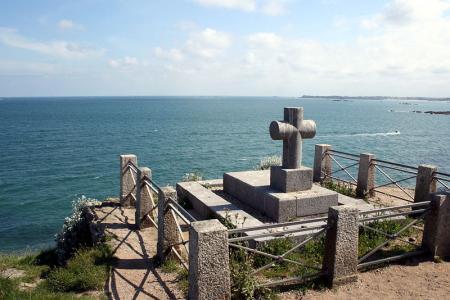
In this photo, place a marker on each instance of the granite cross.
(292, 130)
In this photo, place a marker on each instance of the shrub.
(75, 230)
(193, 176)
(87, 270)
(340, 187)
(268, 162)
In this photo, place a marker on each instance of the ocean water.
(53, 150)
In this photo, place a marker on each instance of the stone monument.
(285, 192)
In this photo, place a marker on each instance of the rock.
(12, 273)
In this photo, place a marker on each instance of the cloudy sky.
(225, 47)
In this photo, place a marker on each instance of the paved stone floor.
(135, 275)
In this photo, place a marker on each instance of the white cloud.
(127, 61)
(204, 44)
(64, 49)
(246, 5)
(26, 68)
(268, 7)
(265, 39)
(66, 24)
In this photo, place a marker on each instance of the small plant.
(193, 176)
(75, 231)
(170, 266)
(274, 247)
(340, 187)
(267, 162)
(87, 270)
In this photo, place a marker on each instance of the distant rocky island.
(343, 98)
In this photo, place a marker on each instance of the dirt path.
(424, 280)
(135, 275)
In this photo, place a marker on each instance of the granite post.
(366, 175)
(425, 184)
(209, 267)
(341, 245)
(322, 163)
(168, 230)
(144, 199)
(128, 179)
(436, 234)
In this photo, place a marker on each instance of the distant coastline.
(375, 98)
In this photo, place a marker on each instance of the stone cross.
(292, 130)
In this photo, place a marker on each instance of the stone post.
(209, 266)
(366, 175)
(127, 180)
(341, 245)
(144, 199)
(424, 183)
(436, 234)
(168, 232)
(322, 163)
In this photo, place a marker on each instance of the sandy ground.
(135, 275)
(424, 280)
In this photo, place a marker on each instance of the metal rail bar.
(394, 168)
(394, 182)
(391, 195)
(393, 237)
(412, 212)
(388, 235)
(378, 186)
(392, 258)
(301, 244)
(293, 280)
(342, 156)
(341, 152)
(441, 173)
(277, 257)
(442, 184)
(280, 233)
(417, 204)
(180, 258)
(180, 208)
(342, 168)
(151, 220)
(270, 226)
(170, 206)
(395, 164)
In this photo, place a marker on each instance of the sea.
(55, 150)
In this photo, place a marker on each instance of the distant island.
(375, 98)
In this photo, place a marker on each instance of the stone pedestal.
(291, 180)
(253, 188)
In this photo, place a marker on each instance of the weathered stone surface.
(366, 175)
(127, 180)
(253, 188)
(436, 235)
(144, 199)
(290, 180)
(322, 163)
(341, 245)
(209, 269)
(424, 183)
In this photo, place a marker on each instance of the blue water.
(53, 150)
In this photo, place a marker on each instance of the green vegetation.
(174, 266)
(193, 176)
(246, 285)
(340, 187)
(269, 161)
(43, 279)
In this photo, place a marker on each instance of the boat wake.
(364, 134)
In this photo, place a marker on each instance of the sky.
(225, 47)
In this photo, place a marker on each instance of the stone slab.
(253, 188)
(291, 180)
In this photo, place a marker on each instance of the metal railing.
(442, 181)
(399, 170)
(133, 170)
(350, 178)
(151, 187)
(369, 220)
(239, 240)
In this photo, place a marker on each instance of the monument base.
(253, 188)
(291, 180)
